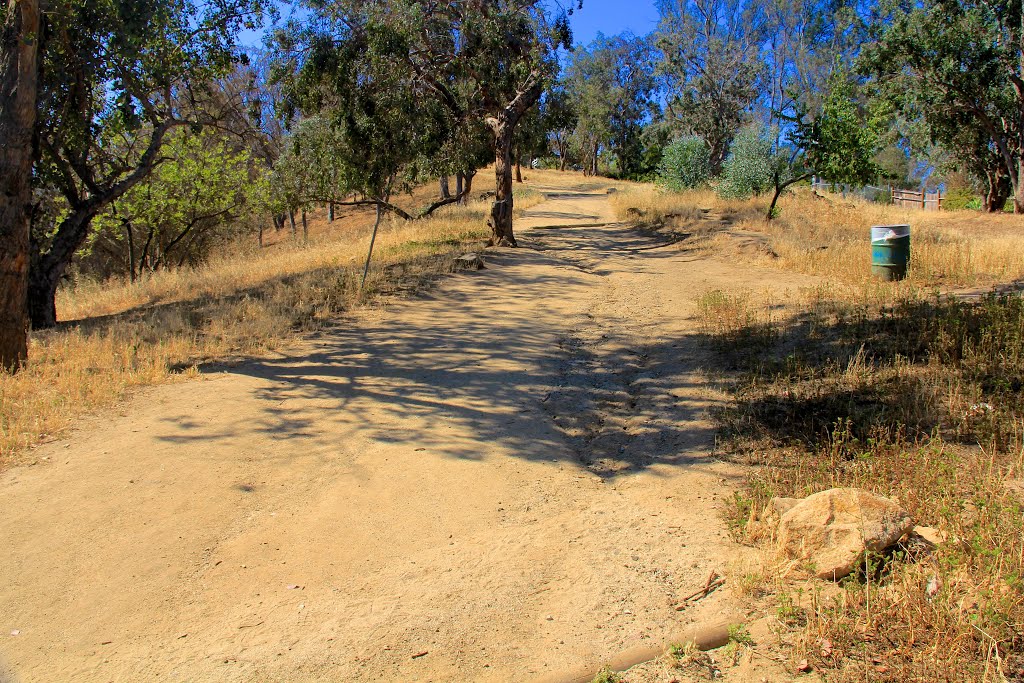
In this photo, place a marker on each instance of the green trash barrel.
(890, 251)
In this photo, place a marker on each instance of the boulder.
(831, 530)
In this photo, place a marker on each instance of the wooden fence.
(927, 201)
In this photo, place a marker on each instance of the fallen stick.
(714, 582)
(703, 637)
(702, 593)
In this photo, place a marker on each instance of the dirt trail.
(504, 478)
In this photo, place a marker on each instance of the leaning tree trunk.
(48, 268)
(19, 69)
(501, 210)
(369, 253)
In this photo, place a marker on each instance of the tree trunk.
(19, 70)
(130, 235)
(42, 296)
(1018, 190)
(74, 230)
(305, 228)
(291, 219)
(445, 192)
(503, 125)
(501, 209)
(369, 254)
(780, 187)
(458, 189)
(561, 160)
(998, 191)
(330, 212)
(47, 269)
(519, 169)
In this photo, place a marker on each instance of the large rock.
(831, 530)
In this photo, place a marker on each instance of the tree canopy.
(132, 112)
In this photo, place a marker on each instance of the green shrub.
(748, 168)
(685, 164)
(961, 198)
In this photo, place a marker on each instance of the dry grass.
(830, 237)
(244, 302)
(922, 401)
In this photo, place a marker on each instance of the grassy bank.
(243, 302)
(912, 390)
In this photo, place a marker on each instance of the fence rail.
(926, 201)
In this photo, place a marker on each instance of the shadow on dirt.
(496, 373)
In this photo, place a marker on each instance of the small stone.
(471, 261)
(929, 534)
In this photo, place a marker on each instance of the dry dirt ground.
(506, 478)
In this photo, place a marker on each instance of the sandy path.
(511, 475)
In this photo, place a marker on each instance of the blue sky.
(611, 17)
